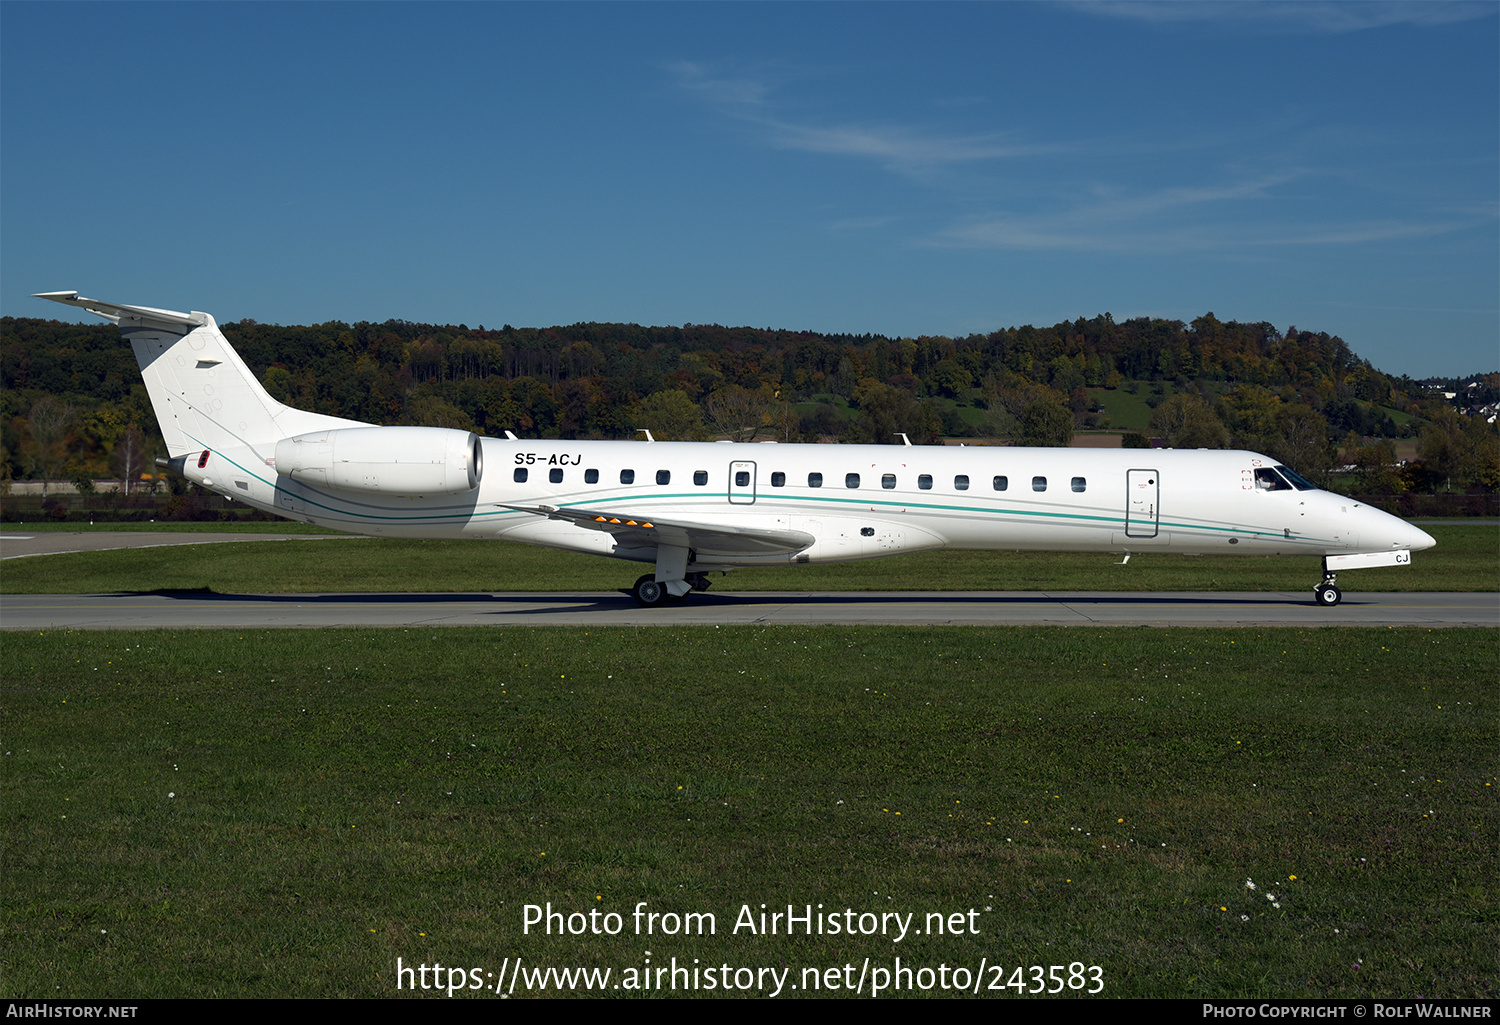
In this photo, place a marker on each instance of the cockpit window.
(1298, 481)
(1269, 480)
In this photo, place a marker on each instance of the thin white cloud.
(1337, 16)
(895, 147)
(1230, 217)
(1120, 208)
(1113, 221)
(719, 89)
(1064, 234)
(1239, 215)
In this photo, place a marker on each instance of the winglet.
(131, 314)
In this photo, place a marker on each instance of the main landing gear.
(1327, 593)
(671, 581)
(650, 593)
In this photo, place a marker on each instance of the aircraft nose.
(1383, 532)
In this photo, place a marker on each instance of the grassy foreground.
(1467, 558)
(287, 813)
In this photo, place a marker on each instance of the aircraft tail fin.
(204, 395)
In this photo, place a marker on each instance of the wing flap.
(633, 530)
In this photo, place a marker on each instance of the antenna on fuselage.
(646, 432)
(512, 436)
(904, 439)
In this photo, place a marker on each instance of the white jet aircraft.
(696, 508)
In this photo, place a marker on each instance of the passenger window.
(1079, 484)
(700, 477)
(663, 476)
(961, 482)
(591, 476)
(851, 480)
(742, 478)
(1039, 484)
(778, 480)
(627, 476)
(1002, 483)
(888, 481)
(815, 480)
(520, 475)
(925, 482)
(555, 475)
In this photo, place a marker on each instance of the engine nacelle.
(412, 462)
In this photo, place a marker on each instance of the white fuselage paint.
(905, 499)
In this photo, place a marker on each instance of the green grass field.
(1467, 558)
(287, 813)
(1128, 410)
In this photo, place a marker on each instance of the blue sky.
(896, 168)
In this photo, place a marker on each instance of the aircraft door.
(742, 483)
(1142, 489)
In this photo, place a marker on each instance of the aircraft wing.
(634, 530)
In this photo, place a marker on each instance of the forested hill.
(1228, 381)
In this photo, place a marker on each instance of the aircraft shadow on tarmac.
(540, 603)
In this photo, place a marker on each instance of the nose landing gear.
(1327, 593)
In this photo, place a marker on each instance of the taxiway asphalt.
(197, 610)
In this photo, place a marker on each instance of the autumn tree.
(670, 416)
(737, 412)
(886, 411)
(1462, 450)
(1302, 442)
(1186, 421)
(431, 411)
(1044, 422)
(48, 424)
(1376, 468)
(129, 457)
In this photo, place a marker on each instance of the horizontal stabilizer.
(634, 530)
(128, 314)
